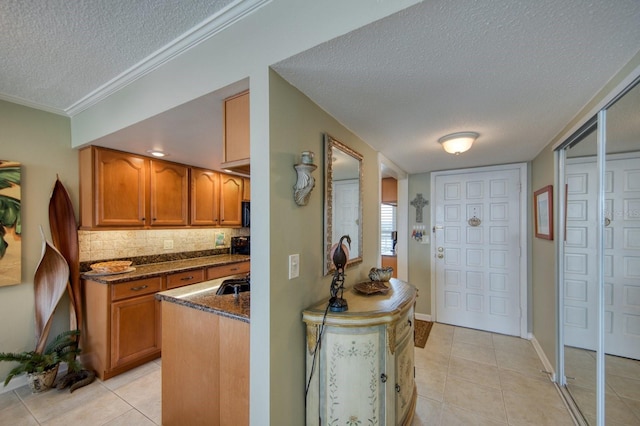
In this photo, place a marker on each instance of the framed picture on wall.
(543, 212)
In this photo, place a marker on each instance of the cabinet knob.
(154, 219)
(409, 323)
(383, 377)
(397, 388)
(142, 219)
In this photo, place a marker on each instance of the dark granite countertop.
(202, 296)
(162, 268)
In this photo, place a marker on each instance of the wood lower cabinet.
(135, 325)
(214, 272)
(364, 371)
(122, 325)
(205, 368)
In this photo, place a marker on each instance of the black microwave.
(246, 214)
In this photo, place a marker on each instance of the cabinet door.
(236, 127)
(352, 364)
(230, 200)
(404, 377)
(135, 329)
(120, 194)
(169, 193)
(205, 197)
(246, 189)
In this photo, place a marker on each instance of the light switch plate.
(294, 266)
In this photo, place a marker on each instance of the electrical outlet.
(294, 266)
(168, 244)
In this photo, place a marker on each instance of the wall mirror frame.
(342, 200)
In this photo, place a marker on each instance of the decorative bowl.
(380, 274)
(111, 266)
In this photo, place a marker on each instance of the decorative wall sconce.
(457, 143)
(305, 182)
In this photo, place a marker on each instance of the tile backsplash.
(100, 245)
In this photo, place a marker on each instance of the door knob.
(440, 255)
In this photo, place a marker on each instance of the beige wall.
(297, 124)
(41, 141)
(420, 254)
(543, 261)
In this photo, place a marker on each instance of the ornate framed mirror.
(342, 200)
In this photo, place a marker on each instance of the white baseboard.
(543, 358)
(423, 317)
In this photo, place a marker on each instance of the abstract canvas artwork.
(10, 224)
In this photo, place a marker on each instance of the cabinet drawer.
(184, 278)
(405, 325)
(226, 270)
(136, 288)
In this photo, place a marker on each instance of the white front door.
(478, 218)
(346, 212)
(621, 255)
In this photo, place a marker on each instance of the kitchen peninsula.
(205, 356)
(122, 327)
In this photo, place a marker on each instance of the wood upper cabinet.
(389, 191)
(169, 200)
(230, 200)
(119, 189)
(115, 189)
(205, 197)
(236, 127)
(246, 189)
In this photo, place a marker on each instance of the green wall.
(41, 142)
(296, 125)
(420, 254)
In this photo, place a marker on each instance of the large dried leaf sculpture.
(64, 235)
(50, 283)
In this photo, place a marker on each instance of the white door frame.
(524, 240)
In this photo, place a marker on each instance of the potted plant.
(42, 368)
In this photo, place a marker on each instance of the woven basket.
(40, 382)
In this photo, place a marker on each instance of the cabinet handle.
(397, 388)
(142, 287)
(383, 377)
(233, 269)
(409, 323)
(186, 278)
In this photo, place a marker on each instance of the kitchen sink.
(234, 285)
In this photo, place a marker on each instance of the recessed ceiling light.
(157, 153)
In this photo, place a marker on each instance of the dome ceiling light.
(457, 143)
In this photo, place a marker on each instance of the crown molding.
(31, 104)
(196, 35)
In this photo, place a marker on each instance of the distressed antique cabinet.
(364, 364)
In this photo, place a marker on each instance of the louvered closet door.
(477, 264)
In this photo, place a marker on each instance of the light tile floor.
(471, 377)
(463, 376)
(622, 390)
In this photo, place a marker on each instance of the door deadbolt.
(440, 249)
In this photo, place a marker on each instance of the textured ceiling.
(514, 71)
(55, 52)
